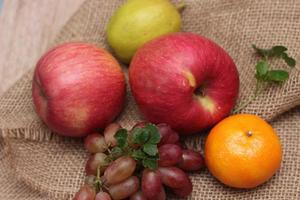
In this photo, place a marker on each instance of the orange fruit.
(243, 151)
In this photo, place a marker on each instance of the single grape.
(138, 196)
(85, 193)
(95, 143)
(168, 136)
(179, 144)
(151, 184)
(185, 190)
(109, 134)
(98, 159)
(90, 180)
(162, 195)
(191, 160)
(103, 196)
(169, 155)
(173, 177)
(119, 170)
(125, 188)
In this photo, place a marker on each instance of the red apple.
(77, 88)
(184, 80)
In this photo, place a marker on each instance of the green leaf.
(154, 134)
(289, 60)
(116, 152)
(150, 149)
(277, 75)
(262, 52)
(274, 51)
(262, 68)
(140, 136)
(139, 155)
(121, 137)
(150, 163)
(278, 50)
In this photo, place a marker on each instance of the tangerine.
(243, 151)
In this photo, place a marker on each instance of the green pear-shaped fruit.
(139, 21)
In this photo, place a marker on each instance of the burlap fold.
(54, 165)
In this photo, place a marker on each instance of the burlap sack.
(53, 165)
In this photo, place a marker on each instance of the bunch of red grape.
(137, 164)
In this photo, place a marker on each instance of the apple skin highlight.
(77, 88)
(184, 80)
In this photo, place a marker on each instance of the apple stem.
(181, 6)
(259, 88)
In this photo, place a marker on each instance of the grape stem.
(259, 88)
(257, 92)
(105, 187)
(98, 182)
(98, 172)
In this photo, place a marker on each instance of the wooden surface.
(26, 27)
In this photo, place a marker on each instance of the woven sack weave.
(43, 165)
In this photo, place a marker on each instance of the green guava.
(139, 21)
